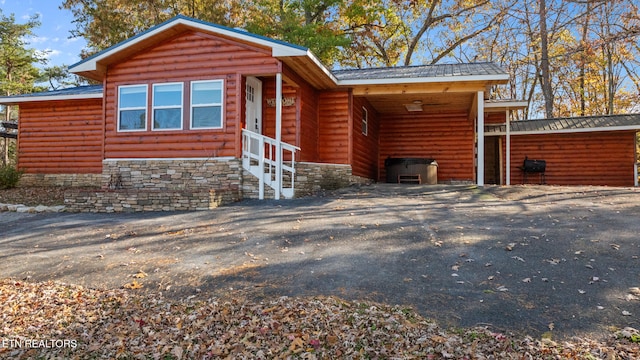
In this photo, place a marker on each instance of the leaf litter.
(122, 323)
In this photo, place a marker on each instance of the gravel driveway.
(524, 259)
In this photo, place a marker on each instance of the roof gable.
(94, 66)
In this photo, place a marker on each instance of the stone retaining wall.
(133, 200)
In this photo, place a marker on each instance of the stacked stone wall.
(62, 180)
(161, 185)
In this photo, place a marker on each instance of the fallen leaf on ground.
(118, 323)
(133, 285)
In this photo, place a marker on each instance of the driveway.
(558, 261)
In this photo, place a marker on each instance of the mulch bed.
(33, 196)
(51, 320)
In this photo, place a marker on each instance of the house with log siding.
(190, 115)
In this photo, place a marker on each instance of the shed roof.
(568, 125)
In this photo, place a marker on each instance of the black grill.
(534, 166)
(531, 166)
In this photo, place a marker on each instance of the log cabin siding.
(596, 158)
(308, 126)
(334, 123)
(188, 57)
(61, 137)
(289, 113)
(495, 118)
(365, 147)
(447, 138)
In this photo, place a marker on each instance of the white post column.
(480, 167)
(278, 136)
(508, 147)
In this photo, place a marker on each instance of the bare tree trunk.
(545, 76)
(5, 141)
(583, 60)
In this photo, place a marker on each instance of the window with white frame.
(132, 108)
(365, 121)
(167, 106)
(206, 104)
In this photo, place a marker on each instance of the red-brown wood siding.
(61, 137)
(495, 118)
(595, 158)
(333, 131)
(365, 147)
(308, 128)
(447, 138)
(188, 57)
(289, 120)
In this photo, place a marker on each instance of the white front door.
(254, 104)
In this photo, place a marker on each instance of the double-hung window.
(132, 108)
(206, 104)
(167, 106)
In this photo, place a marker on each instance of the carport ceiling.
(437, 103)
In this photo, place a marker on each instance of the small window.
(365, 121)
(167, 106)
(132, 108)
(206, 104)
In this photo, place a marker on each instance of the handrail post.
(278, 144)
(261, 168)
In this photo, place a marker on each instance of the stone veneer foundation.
(130, 185)
(160, 185)
(314, 177)
(67, 180)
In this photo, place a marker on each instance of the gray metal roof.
(79, 92)
(421, 71)
(569, 124)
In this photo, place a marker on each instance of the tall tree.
(18, 73)
(103, 23)
(309, 23)
(59, 77)
(545, 76)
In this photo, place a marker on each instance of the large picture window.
(167, 106)
(206, 104)
(132, 108)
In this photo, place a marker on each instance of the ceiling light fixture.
(415, 106)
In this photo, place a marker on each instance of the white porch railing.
(263, 157)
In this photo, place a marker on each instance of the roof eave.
(506, 104)
(495, 79)
(24, 99)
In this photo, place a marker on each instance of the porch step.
(409, 179)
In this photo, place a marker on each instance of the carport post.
(278, 179)
(480, 174)
(508, 147)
